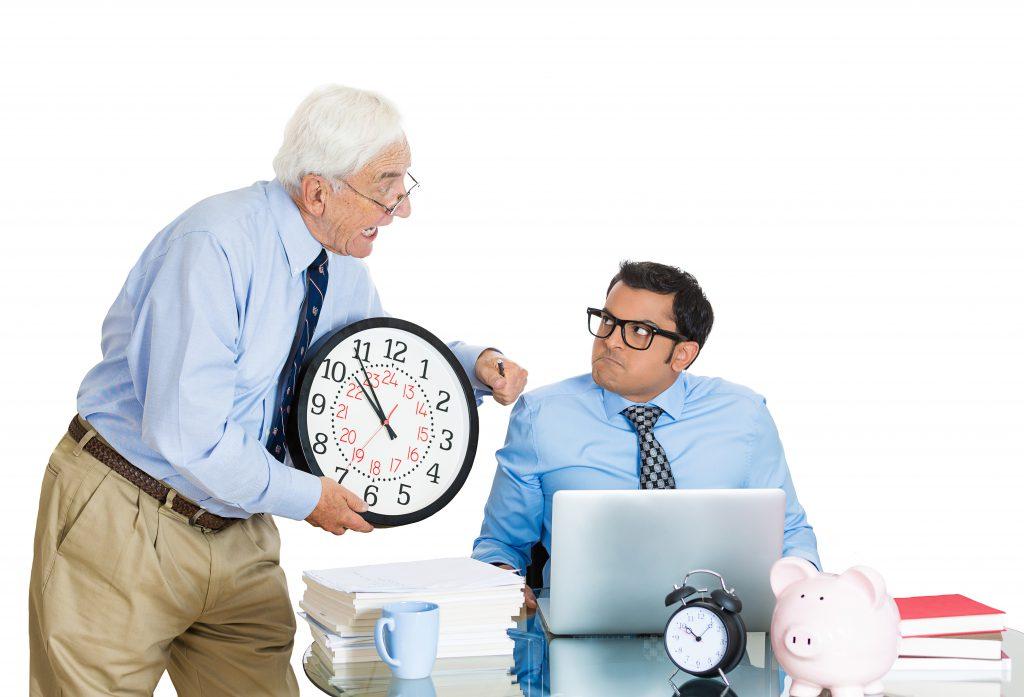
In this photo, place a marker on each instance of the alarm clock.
(384, 407)
(705, 636)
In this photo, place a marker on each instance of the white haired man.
(155, 548)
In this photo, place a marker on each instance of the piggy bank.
(836, 631)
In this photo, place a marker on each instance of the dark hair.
(690, 306)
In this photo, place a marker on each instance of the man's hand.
(504, 388)
(531, 599)
(338, 509)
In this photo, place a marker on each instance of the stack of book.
(488, 676)
(949, 638)
(477, 604)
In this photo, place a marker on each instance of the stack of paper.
(477, 604)
(482, 676)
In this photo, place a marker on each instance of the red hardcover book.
(938, 615)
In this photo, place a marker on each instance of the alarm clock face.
(696, 639)
(385, 409)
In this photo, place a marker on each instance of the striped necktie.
(316, 289)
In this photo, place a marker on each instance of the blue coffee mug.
(410, 645)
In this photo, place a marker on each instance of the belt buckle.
(193, 520)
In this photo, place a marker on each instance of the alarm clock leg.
(802, 688)
(724, 679)
(672, 682)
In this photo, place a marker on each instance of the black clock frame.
(735, 630)
(297, 433)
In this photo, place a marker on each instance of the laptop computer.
(615, 555)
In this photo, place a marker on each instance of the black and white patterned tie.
(655, 472)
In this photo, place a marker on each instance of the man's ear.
(313, 190)
(683, 355)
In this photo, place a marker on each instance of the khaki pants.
(123, 588)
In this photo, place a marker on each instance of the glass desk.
(635, 666)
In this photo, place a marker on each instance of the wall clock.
(385, 408)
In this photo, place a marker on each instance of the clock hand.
(378, 429)
(378, 411)
(369, 400)
(387, 423)
(376, 405)
(706, 630)
(374, 401)
(690, 632)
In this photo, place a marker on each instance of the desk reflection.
(547, 666)
(638, 666)
(424, 687)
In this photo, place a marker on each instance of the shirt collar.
(671, 400)
(300, 246)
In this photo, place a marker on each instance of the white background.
(844, 179)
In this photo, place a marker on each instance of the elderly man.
(155, 547)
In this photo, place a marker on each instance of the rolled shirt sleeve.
(514, 512)
(769, 470)
(187, 326)
(467, 354)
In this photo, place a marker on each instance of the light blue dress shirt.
(571, 435)
(195, 343)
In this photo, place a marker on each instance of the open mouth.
(370, 233)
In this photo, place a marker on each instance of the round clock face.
(384, 407)
(696, 639)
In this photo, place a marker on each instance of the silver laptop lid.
(615, 555)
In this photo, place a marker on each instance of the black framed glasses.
(390, 210)
(636, 334)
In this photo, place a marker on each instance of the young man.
(638, 420)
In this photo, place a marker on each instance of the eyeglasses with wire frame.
(636, 334)
(389, 210)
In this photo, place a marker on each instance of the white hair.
(334, 132)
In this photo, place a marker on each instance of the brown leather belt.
(193, 512)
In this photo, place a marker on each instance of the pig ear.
(868, 581)
(788, 570)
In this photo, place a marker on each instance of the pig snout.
(801, 641)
